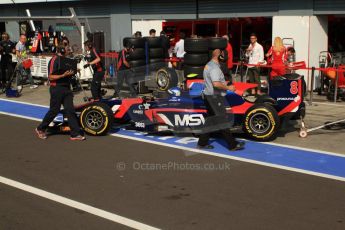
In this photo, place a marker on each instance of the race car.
(184, 111)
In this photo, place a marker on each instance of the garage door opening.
(336, 35)
(239, 28)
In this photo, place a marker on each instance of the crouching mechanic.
(213, 94)
(94, 61)
(60, 94)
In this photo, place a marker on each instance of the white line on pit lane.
(75, 204)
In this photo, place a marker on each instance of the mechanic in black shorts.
(94, 61)
(214, 97)
(60, 94)
(124, 72)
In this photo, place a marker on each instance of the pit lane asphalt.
(246, 196)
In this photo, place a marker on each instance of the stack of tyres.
(156, 52)
(196, 57)
(137, 55)
(219, 43)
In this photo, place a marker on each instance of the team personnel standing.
(255, 52)
(7, 48)
(179, 46)
(94, 61)
(124, 72)
(278, 57)
(60, 94)
(21, 54)
(229, 50)
(152, 33)
(214, 92)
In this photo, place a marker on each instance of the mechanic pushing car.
(60, 94)
(213, 95)
(94, 61)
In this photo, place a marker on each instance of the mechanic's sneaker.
(239, 146)
(78, 138)
(41, 134)
(34, 87)
(205, 147)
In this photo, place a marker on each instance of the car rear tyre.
(166, 78)
(261, 122)
(96, 119)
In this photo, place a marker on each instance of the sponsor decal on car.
(189, 120)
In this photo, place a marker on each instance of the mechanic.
(60, 94)
(229, 50)
(21, 53)
(213, 94)
(152, 33)
(7, 48)
(124, 72)
(137, 34)
(165, 42)
(255, 52)
(94, 61)
(278, 57)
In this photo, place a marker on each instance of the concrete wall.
(310, 36)
(12, 28)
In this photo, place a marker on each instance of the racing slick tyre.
(156, 53)
(96, 119)
(217, 43)
(134, 42)
(195, 59)
(261, 122)
(192, 70)
(137, 54)
(196, 45)
(153, 42)
(166, 78)
(137, 63)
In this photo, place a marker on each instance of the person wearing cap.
(214, 98)
(60, 94)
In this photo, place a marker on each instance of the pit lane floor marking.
(329, 165)
(75, 204)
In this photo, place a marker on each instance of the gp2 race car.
(185, 112)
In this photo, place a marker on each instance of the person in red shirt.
(228, 48)
(277, 57)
